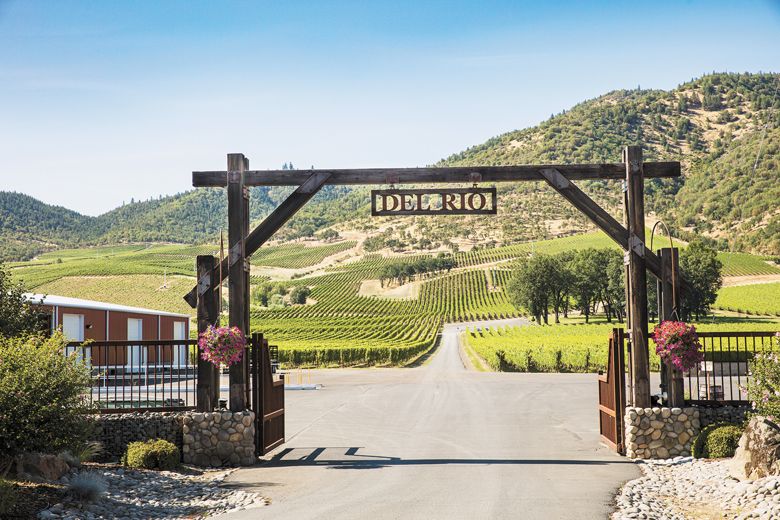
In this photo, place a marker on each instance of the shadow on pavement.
(377, 461)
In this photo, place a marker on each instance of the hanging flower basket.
(677, 343)
(222, 345)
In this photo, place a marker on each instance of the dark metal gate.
(612, 394)
(267, 394)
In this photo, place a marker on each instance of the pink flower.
(222, 345)
(677, 343)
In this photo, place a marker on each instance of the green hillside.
(713, 125)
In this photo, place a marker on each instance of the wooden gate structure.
(561, 177)
(267, 397)
(612, 395)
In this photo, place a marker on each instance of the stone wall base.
(116, 430)
(207, 439)
(660, 433)
(219, 439)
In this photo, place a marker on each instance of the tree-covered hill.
(714, 125)
(29, 227)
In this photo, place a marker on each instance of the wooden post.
(637, 281)
(247, 289)
(208, 314)
(237, 271)
(627, 290)
(669, 296)
(257, 390)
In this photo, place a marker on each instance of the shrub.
(152, 454)
(762, 386)
(90, 451)
(8, 497)
(87, 487)
(716, 441)
(299, 295)
(42, 408)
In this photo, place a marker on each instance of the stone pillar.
(219, 439)
(660, 433)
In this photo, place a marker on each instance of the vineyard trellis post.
(630, 237)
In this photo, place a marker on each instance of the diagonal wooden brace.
(270, 225)
(601, 218)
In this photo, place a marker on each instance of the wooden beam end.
(209, 179)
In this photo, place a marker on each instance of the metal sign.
(431, 201)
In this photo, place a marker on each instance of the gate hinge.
(235, 253)
(636, 245)
(204, 283)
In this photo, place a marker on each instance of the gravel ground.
(142, 494)
(684, 488)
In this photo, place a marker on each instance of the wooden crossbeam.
(468, 174)
(270, 225)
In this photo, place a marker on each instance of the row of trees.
(403, 271)
(572, 280)
(590, 280)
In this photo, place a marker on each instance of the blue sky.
(104, 101)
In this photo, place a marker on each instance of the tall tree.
(529, 288)
(585, 266)
(701, 268)
(561, 281)
(616, 286)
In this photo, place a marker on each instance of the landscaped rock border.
(684, 488)
(219, 439)
(207, 439)
(136, 494)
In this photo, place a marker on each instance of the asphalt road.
(439, 441)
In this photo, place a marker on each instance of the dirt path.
(734, 281)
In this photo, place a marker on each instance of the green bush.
(765, 369)
(152, 454)
(7, 497)
(716, 441)
(42, 408)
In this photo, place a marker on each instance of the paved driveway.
(438, 441)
